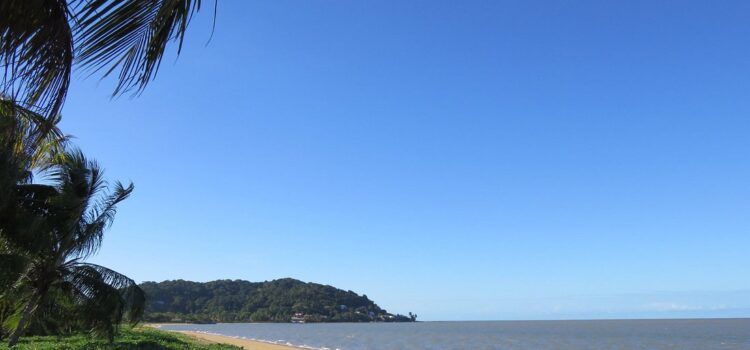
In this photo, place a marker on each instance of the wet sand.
(212, 338)
(244, 343)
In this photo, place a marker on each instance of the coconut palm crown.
(54, 228)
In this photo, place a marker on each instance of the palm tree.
(28, 142)
(47, 231)
(54, 229)
(42, 40)
(24, 146)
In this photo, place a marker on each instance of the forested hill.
(274, 301)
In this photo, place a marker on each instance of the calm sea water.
(527, 335)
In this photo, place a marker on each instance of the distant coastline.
(278, 301)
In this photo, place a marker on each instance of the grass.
(140, 338)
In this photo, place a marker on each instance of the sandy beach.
(244, 343)
(213, 338)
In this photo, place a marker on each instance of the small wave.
(277, 342)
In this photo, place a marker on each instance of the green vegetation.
(129, 339)
(48, 229)
(274, 301)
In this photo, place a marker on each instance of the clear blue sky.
(460, 160)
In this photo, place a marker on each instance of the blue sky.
(460, 160)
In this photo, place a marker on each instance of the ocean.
(703, 334)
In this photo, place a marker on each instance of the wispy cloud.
(681, 304)
(672, 306)
(666, 307)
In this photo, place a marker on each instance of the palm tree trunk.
(26, 314)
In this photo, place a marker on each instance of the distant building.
(298, 318)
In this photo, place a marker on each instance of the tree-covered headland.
(270, 301)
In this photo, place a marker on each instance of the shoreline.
(243, 343)
(248, 344)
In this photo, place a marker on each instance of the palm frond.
(98, 219)
(94, 283)
(130, 36)
(28, 142)
(36, 53)
(86, 271)
(27, 225)
(12, 267)
(89, 209)
(78, 180)
(30, 136)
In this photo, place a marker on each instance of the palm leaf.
(98, 284)
(12, 267)
(36, 52)
(29, 218)
(40, 40)
(98, 219)
(130, 36)
(29, 137)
